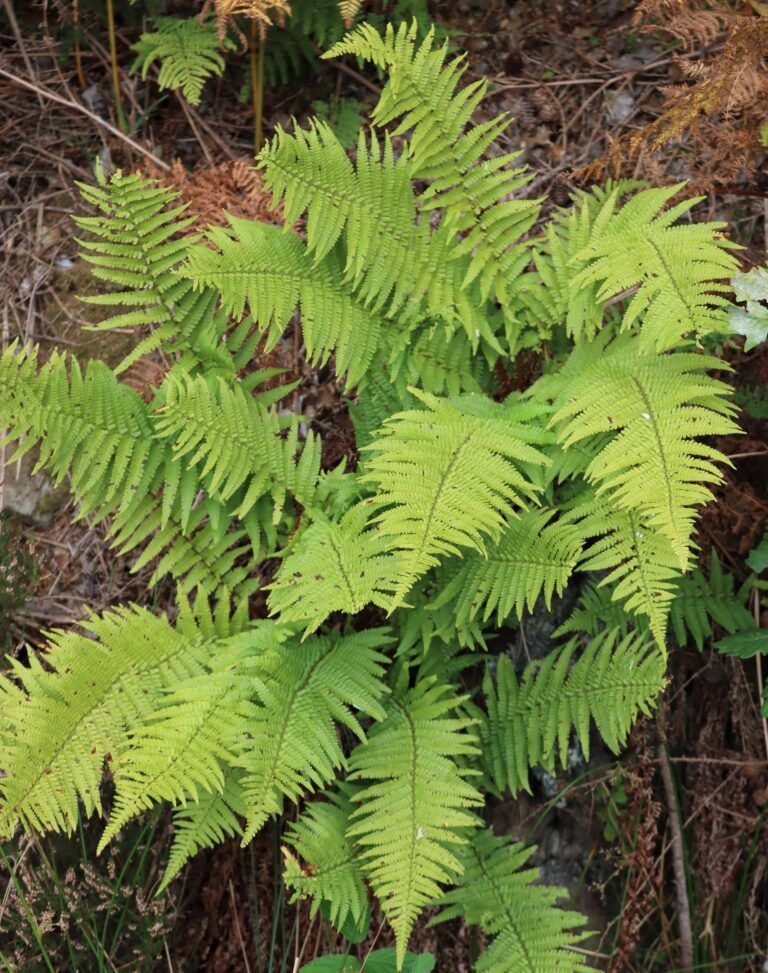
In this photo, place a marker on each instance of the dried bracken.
(265, 13)
(212, 192)
(720, 109)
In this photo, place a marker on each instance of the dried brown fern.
(349, 9)
(723, 105)
(213, 191)
(265, 14)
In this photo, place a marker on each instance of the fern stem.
(78, 53)
(257, 46)
(113, 61)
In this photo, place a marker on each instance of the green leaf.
(758, 558)
(379, 961)
(745, 645)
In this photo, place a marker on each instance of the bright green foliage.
(530, 718)
(320, 837)
(334, 567)
(700, 601)
(270, 273)
(532, 557)
(135, 245)
(446, 479)
(445, 508)
(188, 53)
(530, 934)
(293, 745)
(413, 799)
(657, 407)
(472, 194)
(677, 269)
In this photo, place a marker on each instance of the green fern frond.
(237, 443)
(533, 557)
(188, 51)
(531, 934)
(551, 294)
(595, 612)
(204, 824)
(332, 873)
(293, 745)
(333, 567)
(530, 717)
(473, 195)
(699, 602)
(270, 272)
(658, 407)
(413, 802)
(136, 245)
(78, 712)
(447, 479)
(677, 269)
(642, 568)
(394, 263)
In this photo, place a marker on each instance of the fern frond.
(394, 263)
(677, 269)
(531, 934)
(265, 13)
(642, 568)
(138, 244)
(181, 750)
(474, 196)
(657, 407)
(698, 602)
(258, 267)
(77, 713)
(446, 479)
(551, 294)
(349, 9)
(530, 717)
(333, 567)
(238, 444)
(293, 745)
(332, 873)
(204, 824)
(413, 802)
(188, 52)
(533, 556)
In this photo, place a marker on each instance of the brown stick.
(678, 859)
(52, 96)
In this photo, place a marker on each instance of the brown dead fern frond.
(212, 192)
(349, 9)
(719, 112)
(265, 13)
(693, 22)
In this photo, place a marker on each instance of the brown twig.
(52, 96)
(678, 858)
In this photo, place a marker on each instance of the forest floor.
(576, 76)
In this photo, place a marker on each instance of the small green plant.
(328, 617)
(18, 574)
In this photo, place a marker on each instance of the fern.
(532, 557)
(531, 935)
(442, 499)
(677, 269)
(658, 407)
(413, 801)
(530, 718)
(333, 874)
(188, 52)
(473, 196)
(302, 695)
(269, 272)
(334, 567)
(446, 479)
(138, 244)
